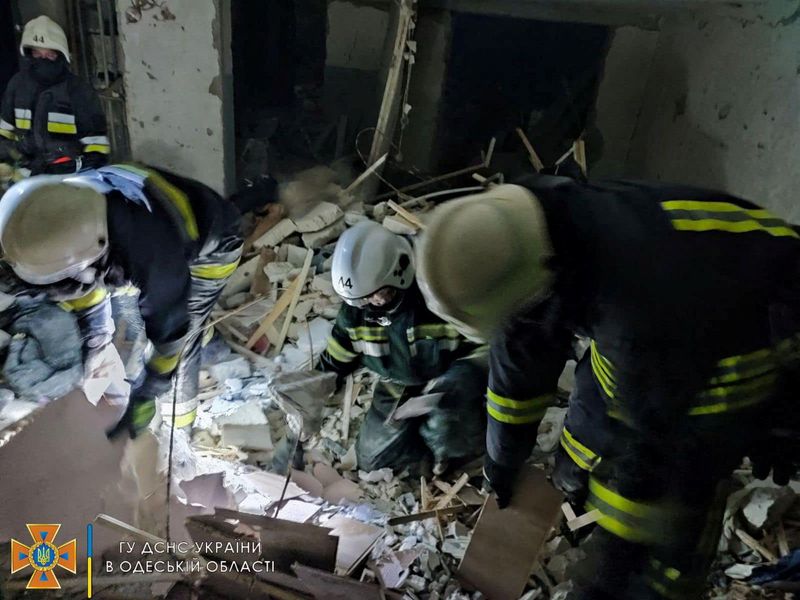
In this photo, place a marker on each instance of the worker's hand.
(500, 480)
(140, 411)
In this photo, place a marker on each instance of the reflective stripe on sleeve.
(214, 271)
(585, 458)
(91, 299)
(701, 216)
(517, 412)
(339, 352)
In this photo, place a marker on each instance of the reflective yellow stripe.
(512, 419)
(179, 200)
(183, 420)
(715, 207)
(743, 374)
(91, 299)
(8, 134)
(617, 527)
(583, 456)
(734, 361)
(22, 123)
(600, 371)
(339, 352)
(163, 364)
(208, 335)
(538, 402)
(765, 381)
(732, 227)
(433, 330)
(214, 271)
(620, 503)
(720, 407)
(66, 128)
(368, 334)
(101, 148)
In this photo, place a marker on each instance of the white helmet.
(482, 257)
(43, 32)
(52, 227)
(369, 257)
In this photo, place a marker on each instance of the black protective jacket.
(52, 125)
(690, 297)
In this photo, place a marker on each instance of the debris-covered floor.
(396, 532)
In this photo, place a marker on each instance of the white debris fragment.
(322, 215)
(351, 218)
(380, 210)
(550, 428)
(455, 547)
(766, 505)
(242, 278)
(397, 224)
(314, 334)
(279, 271)
(322, 283)
(317, 239)
(349, 461)
(740, 571)
(384, 474)
(230, 369)
(295, 254)
(283, 229)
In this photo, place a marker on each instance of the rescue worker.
(690, 298)
(385, 326)
(51, 120)
(175, 239)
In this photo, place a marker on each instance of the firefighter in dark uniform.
(385, 326)
(51, 120)
(690, 298)
(175, 239)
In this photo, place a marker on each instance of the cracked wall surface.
(176, 85)
(718, 106)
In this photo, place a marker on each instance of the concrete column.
(178, 81)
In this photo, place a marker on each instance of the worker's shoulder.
(18, 80)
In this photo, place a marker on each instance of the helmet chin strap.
(383, 314)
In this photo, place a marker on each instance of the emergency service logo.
(44, 556)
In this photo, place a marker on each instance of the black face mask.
(47, 72)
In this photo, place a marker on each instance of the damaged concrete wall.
(354, 43)
(719, 106)
(178, 78)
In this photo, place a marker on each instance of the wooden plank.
(585, 519)
(427, 514)
(783, 542)
(327, 586)
(391, 101)
(120, 526)
(579, 147)
(275, 214)
(534, 159)
(281, 305)
(298, 287)
(407, 215)
(506, 543)
(752, 543)
(569, 514)
(366, 174)
(456, 487)
(423, 493)
(348, 402)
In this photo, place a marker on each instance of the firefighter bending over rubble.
(385, 326)
(691, 299)
(74, 237)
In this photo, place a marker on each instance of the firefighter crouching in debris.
(175, 239)
(385, 326)
(690, 298)
(51, 121)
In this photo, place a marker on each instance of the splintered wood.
(506, 543)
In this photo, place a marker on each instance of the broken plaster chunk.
(322, 283)
(317, 239)
(277, 272)
(380, 210)
(295, 254)
(397, 224)
(342, 491)
(242, 278)
(283, 229)
(384, 474)
(351, 218)
(321, 216)
(767, 505)
(237, 368)
(326, 474)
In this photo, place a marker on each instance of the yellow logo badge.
(44, 556)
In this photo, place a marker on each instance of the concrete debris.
(317, 239)
(550, 429)
(232, 369)
(280, 271)
(766, 505)
(279, 232)
(351, 218)
(397, 224)
(242, 277)
(322, 283)
(295, 254)
(376, 476)
(321, 216)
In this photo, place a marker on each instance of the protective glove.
(778, 453)
(141, 406)
(500, 480)
(141, 410)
